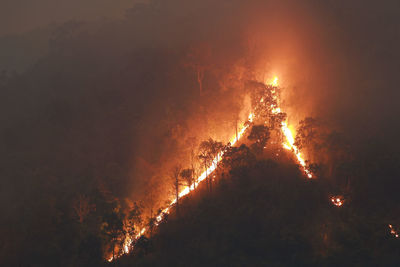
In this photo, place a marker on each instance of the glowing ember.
(393, 231)
(274, 82)
(337, 201)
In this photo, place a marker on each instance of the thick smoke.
(116, 103)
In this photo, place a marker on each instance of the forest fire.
(289, 144)
(200, 132)
(393, 231)
(129, 240)
(337, 201)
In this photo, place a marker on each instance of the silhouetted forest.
(102, 122)
(267, 214)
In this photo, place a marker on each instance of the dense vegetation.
(95, 115)
(268, 214)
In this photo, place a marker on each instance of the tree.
(188, 177)
(209, 155)
(205, 157)
(133, 220)
(307, 133)
(191, 143)
(263, 101)
(235, 157)
(260, 135)
(82, 207)
(175, 174)
(113, 227)
(152, 198)
(275, 120)
(198, 58)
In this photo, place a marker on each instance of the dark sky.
(23, 15)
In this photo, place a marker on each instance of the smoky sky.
(22, 15)
(91, 105)
(122, 95)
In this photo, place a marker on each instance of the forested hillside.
(200, 132)
(268, 214)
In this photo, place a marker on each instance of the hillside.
(292, 106)
(266, 214)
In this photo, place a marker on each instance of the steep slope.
(265, 214)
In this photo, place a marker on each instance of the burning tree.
(133, 221)
(188, 177)
(276, 119)
(235, 157)
(209, 155)
(266, 110)
(260, 135)
(191, 143)
(113, 228)
(264, 100)
(205, 157)
(175, 174)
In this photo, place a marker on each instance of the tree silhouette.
(205, 157)
(275, 120)
(188, 177)
(175, 174)
(113, 227)
(133, 220)
(82, 207)
(307, 133)
(209, 155)
(198, 58)
(235, 157)
(260, 135)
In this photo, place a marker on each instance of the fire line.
(288, 144)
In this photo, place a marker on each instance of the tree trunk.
(236, 130)
(177, 197)
(113, 249)
(207, 181)
(193, 176)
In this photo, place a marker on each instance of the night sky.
(100, 99)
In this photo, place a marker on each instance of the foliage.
(260, 134)
(268, 214)
(188, 176)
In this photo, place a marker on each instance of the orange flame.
(393, 231)
(337, 201)
(129, 240)
(289, 144)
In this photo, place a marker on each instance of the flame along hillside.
(266, 110)
(266, 104)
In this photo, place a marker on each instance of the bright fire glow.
(337, 201)
(274, 82)
(393, 231)
(288, 144)
(128, 241)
